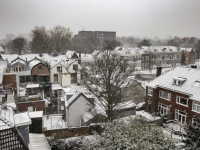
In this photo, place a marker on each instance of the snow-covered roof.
(22, 119)
(33, 63)
(69, 54)
(190, 74)
(67, 89)
(56, 87)
(36, 114)
(125, 105)
(32, 86)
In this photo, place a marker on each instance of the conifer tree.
(192, 137)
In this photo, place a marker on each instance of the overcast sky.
(142, 18)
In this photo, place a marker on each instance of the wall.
(70, 69)
(35, 71)
(54, 71)
(75, 111)
(10, 81)
(124, 113)
(68, 132)
(38, 106)
(65, 80)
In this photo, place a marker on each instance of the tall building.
(101, 35)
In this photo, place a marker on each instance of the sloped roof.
(74, 98)
(191, 75)
(71, 54)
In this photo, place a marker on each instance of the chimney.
(79, 61)
(159, 71)
(194, 66)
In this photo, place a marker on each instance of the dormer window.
(178, 81)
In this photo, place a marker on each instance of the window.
(39, 68)
(34, 78)
(75, 67)
(179, 80)
(182, 100)
(150, 91)
(55, 77)
(163, 109)
(146, 58)
(165, 95)
(196, 106)
(30, 108)
(59, 69)
(19, 68)
(180, 116)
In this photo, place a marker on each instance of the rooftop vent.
(196, 83)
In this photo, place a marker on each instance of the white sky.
(148, 18)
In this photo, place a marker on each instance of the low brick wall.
(68, 132)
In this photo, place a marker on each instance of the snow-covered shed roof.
(125, 105)
(56, 87)
(189, 87)
(36, 114)
(22, 119)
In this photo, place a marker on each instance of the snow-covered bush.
(131, 135)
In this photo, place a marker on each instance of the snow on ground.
(147, 115)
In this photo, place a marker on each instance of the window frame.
(178, 98)
(197, 104)
(150, 91)
(40, 69)
(162, 106)
(177, 114)
(55, 77)
(75, 67)
(169, 95)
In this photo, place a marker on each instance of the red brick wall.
(9, 81)
(35, 71)
(39, 106)
(155, 100)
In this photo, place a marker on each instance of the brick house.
(40, 74)
(176, 92)
(31, 106)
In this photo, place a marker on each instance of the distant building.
(101, 35)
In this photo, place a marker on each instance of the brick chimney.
(193, 66)
(159, 71)
(79, 60)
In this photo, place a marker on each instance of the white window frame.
(195, 106)
(169, 95)
(178, 98)
(180, 113)
(40, 69)
(163, 107)
(150, 91)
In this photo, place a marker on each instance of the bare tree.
(60, 38)
(105, 80)
(40, 40)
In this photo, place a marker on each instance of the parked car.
(140, 106)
